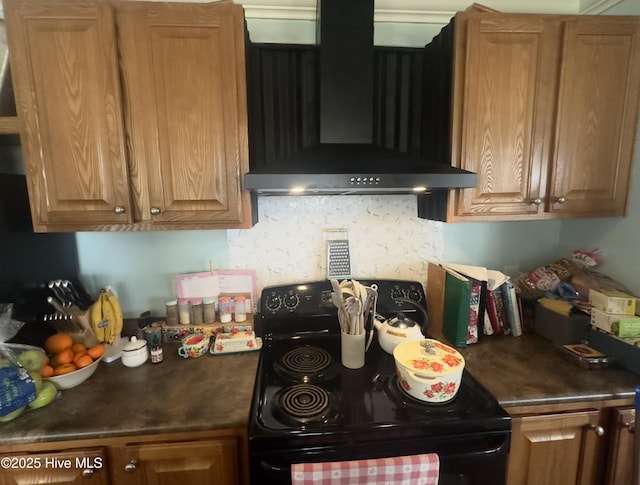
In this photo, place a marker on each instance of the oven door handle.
(274, 471)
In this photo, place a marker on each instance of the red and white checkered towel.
(406, 470)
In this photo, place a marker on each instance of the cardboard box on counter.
(560, 329)
(615, 323)
(612, 301)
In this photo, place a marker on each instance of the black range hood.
(346, 161)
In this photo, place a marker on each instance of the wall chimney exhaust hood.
(346, 161)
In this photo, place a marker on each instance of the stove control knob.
(397, 293)
(414, 295)
(291, 300)
(273, 302)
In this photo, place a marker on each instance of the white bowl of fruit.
(69, 363)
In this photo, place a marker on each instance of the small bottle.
(184, 310)
(224, 306)
(153, 336)
(209, 309)
(240, 314)
(197, 316)
(172, 312)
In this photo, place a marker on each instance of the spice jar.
(172, 312)
(184, 310)
(209, 309)
(153, 336)
(197, 315)
(240, 314)
(225, 307)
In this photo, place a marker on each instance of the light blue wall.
(141, 265)
(524, 245)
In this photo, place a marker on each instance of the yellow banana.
(118, 320)
(97, 317)
(107, 311)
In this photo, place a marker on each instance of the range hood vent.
(345, 158)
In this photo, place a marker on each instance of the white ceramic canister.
(135, 353)
(429, 370)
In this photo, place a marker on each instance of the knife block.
(77, 325)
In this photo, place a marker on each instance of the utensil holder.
(352, 350)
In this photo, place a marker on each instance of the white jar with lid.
(135, 353)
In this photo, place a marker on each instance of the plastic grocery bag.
(17, 389)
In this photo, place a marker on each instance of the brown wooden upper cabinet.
(544, 109)
(132, 114)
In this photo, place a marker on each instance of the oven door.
(464, 460)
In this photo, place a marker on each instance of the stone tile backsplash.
(387, 239)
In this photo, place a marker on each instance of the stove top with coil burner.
(303, 388)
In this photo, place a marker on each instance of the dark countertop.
(529, 370)
(215, 391)
(173, 396)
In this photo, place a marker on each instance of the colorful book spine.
(492, 313)
(474, 313)
(500, 307)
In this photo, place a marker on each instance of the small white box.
(613, 301)
(604, 320)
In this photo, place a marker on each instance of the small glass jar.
(240, 314)
(172, 314)
(197, 315)
(209, 309)
(225, 308)
(184, 310)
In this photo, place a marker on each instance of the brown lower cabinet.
(214, 457)
(573, 444)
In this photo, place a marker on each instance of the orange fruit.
(64, 369)
(57, 342)
(64, 357)
(83, 361)
(46, 371)
(79, 348)
(78, 355)
(96, 351)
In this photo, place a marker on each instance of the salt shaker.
(197, 316)
(224, 306)
(209, 309)
(184, 309)
(172, 312)
(240, 314)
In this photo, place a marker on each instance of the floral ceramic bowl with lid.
(429, 370)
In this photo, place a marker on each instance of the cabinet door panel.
(65, 467)
(507, 97)
(554, 449)
(620, 463)
(207, 463)
(68, 100)
(596, 121)
(186, 109)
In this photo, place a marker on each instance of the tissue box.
(613, 301)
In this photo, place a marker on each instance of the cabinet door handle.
(537, 201)
(87, 473)
(119, 209)
(599, 430)
(561, 200)
(155, 211)
(131, 466)
(630, 427)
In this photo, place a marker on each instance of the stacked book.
(468, 300)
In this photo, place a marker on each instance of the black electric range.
(307, 407)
